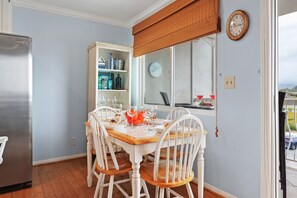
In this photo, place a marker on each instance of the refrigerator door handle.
(3, 140)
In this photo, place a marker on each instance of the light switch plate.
(229, 82)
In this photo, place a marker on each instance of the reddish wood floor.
(68, 179)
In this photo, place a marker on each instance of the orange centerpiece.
(137, 119)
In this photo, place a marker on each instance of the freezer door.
(15, 109)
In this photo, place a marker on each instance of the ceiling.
(286, 7)
(124, 13)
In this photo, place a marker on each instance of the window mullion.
(172, 76)
(192, 87)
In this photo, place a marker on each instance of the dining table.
(138, 143)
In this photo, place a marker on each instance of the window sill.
(205, 112)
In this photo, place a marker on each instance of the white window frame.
(5, 16)
(141, 62)
(269, 100)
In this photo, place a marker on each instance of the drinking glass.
(144, 112)
(115, 100)
(150, 115)
(152, 111)
(109, 103)
(212, 96)
(102, 101)
(118, 108)
(132, 112)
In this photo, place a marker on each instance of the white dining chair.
(104, 113)
(107, 163)
(177, 112)
(175, 170)
(3, 140)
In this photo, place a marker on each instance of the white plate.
(109, 125)
(156, 122)
(159, 128)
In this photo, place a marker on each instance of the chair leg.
(147, 194)
(101, 185)
(145, 159)
(94, 165)
(157, 192)
(98, 186)
(162, 193)
(167, 193)
(110, 187)
(189, 189)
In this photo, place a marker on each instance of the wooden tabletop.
(136, 135)
(133, 140)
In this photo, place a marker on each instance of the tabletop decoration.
(118, 108)
(212, 97)
(150, 117)
(206, 102)
(199, 97)
(134, 117)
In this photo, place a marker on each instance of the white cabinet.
(104, 94)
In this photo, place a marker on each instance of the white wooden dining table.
(137, 143)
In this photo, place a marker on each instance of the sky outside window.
(288, 50)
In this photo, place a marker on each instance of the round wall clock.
(237, 25)
(155, 69)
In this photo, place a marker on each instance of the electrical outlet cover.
(229, 82)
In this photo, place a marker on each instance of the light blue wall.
(60, 76)
(60, 98)
(233, 160)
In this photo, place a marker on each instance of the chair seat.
(93, 151)
(147, 171)
(163, 154)
(124, 165)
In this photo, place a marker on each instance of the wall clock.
(155, 69)
(237, 25)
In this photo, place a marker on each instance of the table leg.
(135, 158)
(89, 156)
(136, 180)
(200, 163)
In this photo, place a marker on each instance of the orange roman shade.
(181, 21)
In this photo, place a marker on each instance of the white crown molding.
(148, 12)
(91, 17)
(68, 12)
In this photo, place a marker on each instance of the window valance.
(180, 21)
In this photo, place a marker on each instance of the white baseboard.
(58, 159)
(215, 189)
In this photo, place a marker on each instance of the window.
(179, 75)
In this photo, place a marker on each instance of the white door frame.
(269, 99)
(5, 16)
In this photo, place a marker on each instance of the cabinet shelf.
(112, 90)
(98, 51)
(113, 70)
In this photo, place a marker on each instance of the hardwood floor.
(68, 179)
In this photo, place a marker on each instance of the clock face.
(155, 69)
(237, 25)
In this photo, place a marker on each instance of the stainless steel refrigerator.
(15, 111)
